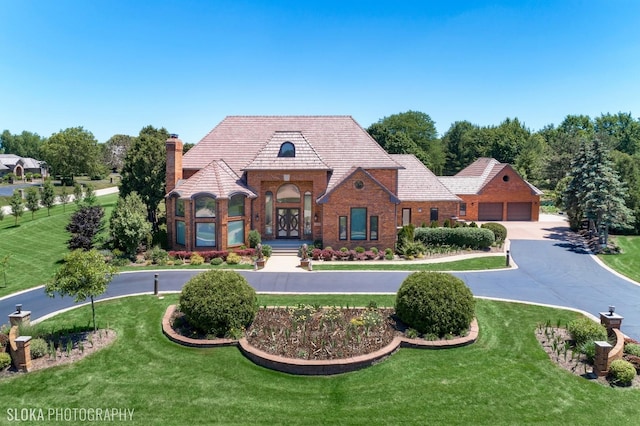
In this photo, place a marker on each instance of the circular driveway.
(553, 268)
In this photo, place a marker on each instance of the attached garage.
(490, 211)
(519, 211)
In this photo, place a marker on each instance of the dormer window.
(287, 149)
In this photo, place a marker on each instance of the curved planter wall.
(316, 367)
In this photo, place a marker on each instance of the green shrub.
(474, 238)
(254, 238)
(388, 254)
(433, 302)
(233, 259)
(499, 231)
(583, 330)
(5, 360)
(39, 347)
(374, 250)
(632, 349)
(196, 259)
(267, 250)
(412, 248)
(216, 261)
(159, 256)
(359, 249)
(622, 372)
(589, 350)
(218, 301)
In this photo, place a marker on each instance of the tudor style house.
(296, 177)
(493, 191)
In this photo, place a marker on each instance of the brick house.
(493, 191)
(296, 177)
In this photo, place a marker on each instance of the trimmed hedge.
(473, 238)
(219, 302)
(499, 231)
(437, 303)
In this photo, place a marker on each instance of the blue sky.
(115, 66)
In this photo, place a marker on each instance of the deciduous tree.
(115, 150)
(84, 225)
(72, 152)
(48, 195)
(84, 274)
(32, 201)
(26, 144)
(17, 205)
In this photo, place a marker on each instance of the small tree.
(83, 275)
(17, 206)
(84, 225)
(90, 198)
(128, 223)
(33, 201)
(78, 195)
(4, 265)
(64, 198)
(48, 196)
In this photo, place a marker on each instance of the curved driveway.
(550, 271)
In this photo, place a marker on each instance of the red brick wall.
(513, 190)
(421, 211)
(374, 198)
(174, 162)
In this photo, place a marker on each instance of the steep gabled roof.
(338, 142)
(473, 178)
(325, 197)
(306, 158)
(417, 183)
(216, 179)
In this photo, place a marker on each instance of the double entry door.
(288, 223)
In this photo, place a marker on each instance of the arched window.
(288, 193)
(205, 207)
(287, 149)
(236, 205)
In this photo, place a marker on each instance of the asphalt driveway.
(552, 269)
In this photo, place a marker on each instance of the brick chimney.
(174, 161)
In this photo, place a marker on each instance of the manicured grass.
(37, 246)
(504, 378)
(628, 262)
(473, 264)
(111, 180)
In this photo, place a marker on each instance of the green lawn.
(37, 245)
(504, 378)
(473, 264)
(628, 262)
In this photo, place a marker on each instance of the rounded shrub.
(498, 229)
(584, 330)
(216, 261)
(632, 349)
(218, 302)
(196, 259)
(233, 259)
(622, 372)
(5, 360)
(39, 348)
(435, 303)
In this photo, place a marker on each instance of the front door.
(288, 223)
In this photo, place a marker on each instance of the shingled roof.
(475, 176)
(417, 183)
(335, 143)
(216, 179)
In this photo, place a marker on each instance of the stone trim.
(317, 367)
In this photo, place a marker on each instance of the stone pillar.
(611, 320)
(22, 355)
(601, 362)
(20, 317)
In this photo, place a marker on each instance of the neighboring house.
(493, 191)
(20, 166)
(296, 177)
